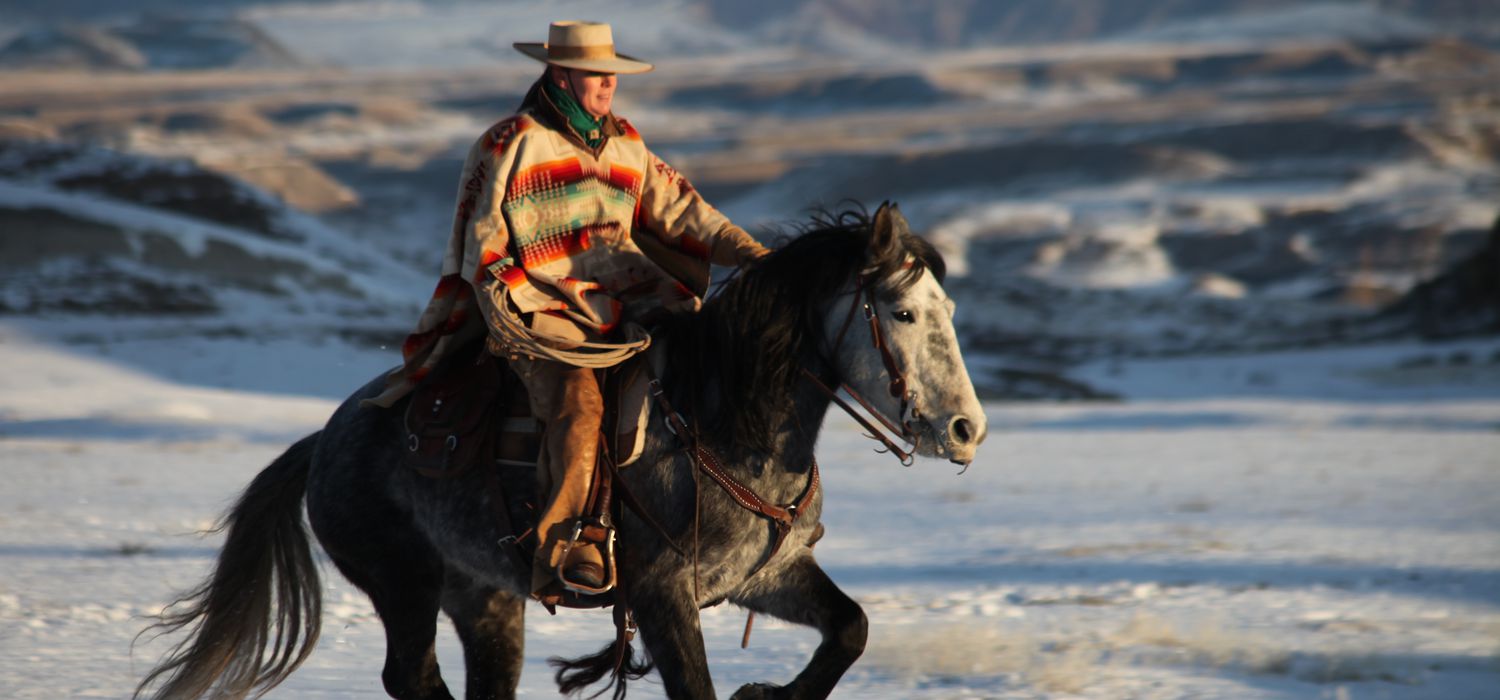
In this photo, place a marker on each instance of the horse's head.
(802, 309)
(892, 334)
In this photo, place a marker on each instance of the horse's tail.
(256, 618)
(618, 658)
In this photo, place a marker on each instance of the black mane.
(735, 363)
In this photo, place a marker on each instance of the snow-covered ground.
(1254, 543)
(1316, 523)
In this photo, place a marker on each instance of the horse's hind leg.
(405, 593)
(491, 624)
(802, 593)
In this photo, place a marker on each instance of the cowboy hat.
(584, 46)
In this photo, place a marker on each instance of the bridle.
(897, 387)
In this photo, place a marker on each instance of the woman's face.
(595, 91)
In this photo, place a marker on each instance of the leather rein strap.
(872, 432)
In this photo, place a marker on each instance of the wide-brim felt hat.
(583, 46)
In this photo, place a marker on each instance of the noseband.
(897, 386)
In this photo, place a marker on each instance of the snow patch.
(1105, 252)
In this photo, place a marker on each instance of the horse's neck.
(799, 428)
(798, 421)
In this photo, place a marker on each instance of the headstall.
(897, 386)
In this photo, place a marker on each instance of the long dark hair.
(743, 352)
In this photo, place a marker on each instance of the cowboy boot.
(569, 454)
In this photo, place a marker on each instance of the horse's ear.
(887, 229)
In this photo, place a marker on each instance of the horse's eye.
(904, 317)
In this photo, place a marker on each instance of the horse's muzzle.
(963, 436)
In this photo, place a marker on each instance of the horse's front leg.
(668, 620)
(802, 593)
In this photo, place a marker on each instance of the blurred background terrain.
(1109, 180)
(1228, 272)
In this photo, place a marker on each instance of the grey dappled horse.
(735, 369)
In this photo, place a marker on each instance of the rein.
(906, 457)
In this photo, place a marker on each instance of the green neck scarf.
(589, 128)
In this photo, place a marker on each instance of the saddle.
(474, 412)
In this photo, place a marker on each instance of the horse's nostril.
(962, 430)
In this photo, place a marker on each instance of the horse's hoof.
(756, 691)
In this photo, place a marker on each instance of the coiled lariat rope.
(514, 336)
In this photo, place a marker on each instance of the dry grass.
(1073, 661)
(1210, 642)
(983, 651)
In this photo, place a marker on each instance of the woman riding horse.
(548, 209)
(854, 302)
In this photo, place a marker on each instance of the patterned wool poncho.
(551, 220)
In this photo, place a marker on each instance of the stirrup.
(606, 544)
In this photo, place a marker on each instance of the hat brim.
(619, 64)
